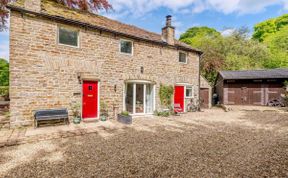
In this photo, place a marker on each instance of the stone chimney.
(168, 32)
(33, 5)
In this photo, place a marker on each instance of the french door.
(139, 98)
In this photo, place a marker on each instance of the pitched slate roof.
(255, 74)
(56, 10)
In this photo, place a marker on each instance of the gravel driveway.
(208, 144)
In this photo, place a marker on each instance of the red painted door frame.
(179, 98)
(90, 99)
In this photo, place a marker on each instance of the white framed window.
(68, 36)
(126, 47)
(183, 57)
(189, 92)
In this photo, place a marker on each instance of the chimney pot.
(168, 20)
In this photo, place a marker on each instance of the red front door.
(179, 97)
(90, 99)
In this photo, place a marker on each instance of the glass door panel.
(149, 98)
(139, 98)
(129, 98)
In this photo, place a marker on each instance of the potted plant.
(124, 118)
(76, 113)
(103, 111)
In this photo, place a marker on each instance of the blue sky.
(222, 15)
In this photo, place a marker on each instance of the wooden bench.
(50, 115)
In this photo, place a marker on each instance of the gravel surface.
(245, 144)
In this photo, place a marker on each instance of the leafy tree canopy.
(268, 47)
(278, 45)
(195, 35)
(4, 72)
(234, 52)
(274, 34)
(265, 29)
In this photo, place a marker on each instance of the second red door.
(179, 97)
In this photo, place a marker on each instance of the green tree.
(278, 45)
(241, 53)
(234, 52)
(4, 72)
(210, 42)
(273, 33)
(196, 35)
(264, 29)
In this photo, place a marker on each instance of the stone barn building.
(250, 87)
(60, 56)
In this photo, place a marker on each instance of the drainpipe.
(199, 82)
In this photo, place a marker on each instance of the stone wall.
(44, 74)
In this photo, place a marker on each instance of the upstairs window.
(126, 47)
(68, 37)
(183, 57)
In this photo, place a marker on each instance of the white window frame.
(192, 88)
(186, 58)
(132, 50)
(134, 82)
(69, 28)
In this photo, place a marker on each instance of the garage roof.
(255, 74)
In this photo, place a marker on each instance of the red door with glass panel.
(90, 99)
(179, 98)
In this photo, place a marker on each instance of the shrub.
(125, 113)
(162, 113)
(4, 91)
(166, 93)
(75, 107)
(104, 109)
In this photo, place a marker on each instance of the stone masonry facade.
(45, 74)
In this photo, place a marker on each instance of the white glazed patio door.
(139, 98)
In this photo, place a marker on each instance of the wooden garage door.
(255, 94)
(244, 94)
(204, 97)
(233, 94)
(252, 94)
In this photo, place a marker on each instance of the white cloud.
(141, 7)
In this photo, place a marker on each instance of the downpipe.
(199, 82)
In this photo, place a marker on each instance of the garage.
(254, 87)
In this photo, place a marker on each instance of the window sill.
(126, 54)
(77, 47)
(183, 63)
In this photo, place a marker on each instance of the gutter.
(199, 81)
(95, 27)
